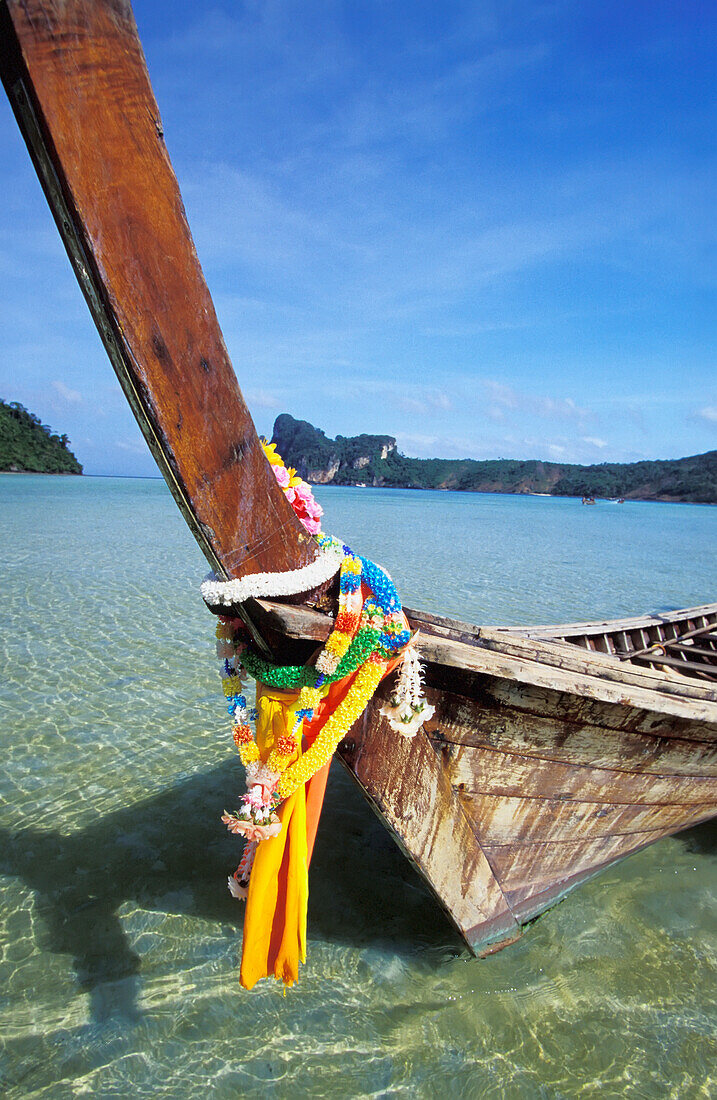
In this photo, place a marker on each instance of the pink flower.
(307, 509)
(282, 476)
(310, 503)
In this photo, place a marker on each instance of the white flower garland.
(218, 593)
(407, 707)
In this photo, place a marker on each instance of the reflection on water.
(119, 944)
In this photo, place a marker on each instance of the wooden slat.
(406, 783)
(600, 626)
(678, 663)
(505, 820)
(76, 77)
(570, 657)
(504, 720)
(472, 658)
(479, 771)
(650, 644)
(697, 650)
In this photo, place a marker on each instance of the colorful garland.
(370, 631)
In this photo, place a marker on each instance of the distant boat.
(588, 500)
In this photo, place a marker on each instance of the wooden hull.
(531, 776)
(532, 802)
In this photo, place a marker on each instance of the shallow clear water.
(119, 944)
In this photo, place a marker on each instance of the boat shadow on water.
(702, 839)
(167, 854)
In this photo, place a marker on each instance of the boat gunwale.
(541, 663)
(559, 631)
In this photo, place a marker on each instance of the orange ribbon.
(275, 920)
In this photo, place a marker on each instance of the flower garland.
(296, 491)
(370, 631)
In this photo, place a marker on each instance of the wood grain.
(76, 77)
(502, 718)
(493, 771)
(406, 784)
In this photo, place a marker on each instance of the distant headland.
(375, 460)
(29, 446)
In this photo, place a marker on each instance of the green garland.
(364, 643)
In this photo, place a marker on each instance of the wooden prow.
(76, 77)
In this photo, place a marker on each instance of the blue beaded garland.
(381, 585)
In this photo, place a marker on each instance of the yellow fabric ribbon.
(275, 920)
(276, 906)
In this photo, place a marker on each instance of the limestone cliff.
(375, 460)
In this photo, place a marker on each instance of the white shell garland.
(407, 707)
(218, 593)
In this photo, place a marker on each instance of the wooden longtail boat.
(553, 751)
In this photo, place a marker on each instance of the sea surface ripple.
(119, 943)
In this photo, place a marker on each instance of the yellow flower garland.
(367, 680)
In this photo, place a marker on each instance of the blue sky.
(484, 228)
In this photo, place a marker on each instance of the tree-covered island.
(29, 446)
(375, 460)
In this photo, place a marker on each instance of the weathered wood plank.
(697, 707)
(475, 772)
(76, 77)
(574, 708)
(531, 867)
(503, 819)
(680, 663)
(528, 672)
(697, 650)
(405, 782)
(567, 656)
(530, 901)
(491, 722)
(599, 626)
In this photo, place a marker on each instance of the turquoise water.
(118, 941)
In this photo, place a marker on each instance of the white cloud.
(422, 402)
(548, 408)
(594, 441)
(501, 394)
(708, 413)
(261, 399)
(133, 448)
(407, 442)
(72, 397)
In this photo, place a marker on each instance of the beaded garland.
(369, 632)
(320, 752)
(296, 676)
